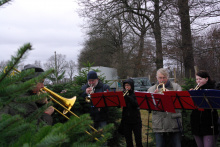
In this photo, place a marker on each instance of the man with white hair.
(166, 126)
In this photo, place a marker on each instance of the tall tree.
(187, 49)
(149, 11)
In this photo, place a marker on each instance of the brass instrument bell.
(88, 97)
(162, 89)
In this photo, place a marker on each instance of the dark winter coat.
(202, 122)
(130, 113)
(96, 115)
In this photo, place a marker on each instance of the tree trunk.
(157, 34)
(138, 60)
(188, 58)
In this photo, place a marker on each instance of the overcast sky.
(49, 25)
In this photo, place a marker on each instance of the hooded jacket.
(202, 122)
(130, 113)
(166, 121)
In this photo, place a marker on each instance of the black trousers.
(137, 130)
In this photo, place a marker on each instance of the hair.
(163, 71)
(205, 74)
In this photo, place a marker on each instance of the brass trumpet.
(162, 89)
(197, 87)
(125, 93)
(88, 97)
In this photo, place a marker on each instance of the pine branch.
(15, 60)
(15, 89)
(2, 2)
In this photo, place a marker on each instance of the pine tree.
(18, 130)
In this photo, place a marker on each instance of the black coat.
(95, 114)
(130, 113)
(202, 122)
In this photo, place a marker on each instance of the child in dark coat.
(131, 117)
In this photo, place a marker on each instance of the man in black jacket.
(94, 85)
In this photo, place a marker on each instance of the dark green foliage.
(2, 2)
(28, 130)
(189, 83)
(81, 107)
(187, 139)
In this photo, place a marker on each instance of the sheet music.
(153, 99)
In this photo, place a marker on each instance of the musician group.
(167, 126)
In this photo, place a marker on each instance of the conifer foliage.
(21, 130)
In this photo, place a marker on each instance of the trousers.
(168, 139)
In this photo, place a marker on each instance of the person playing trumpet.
(204, 124)
(166, 126)
(131, 118)
(94, 85)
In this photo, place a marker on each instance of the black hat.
(38, 71)
(92, 75)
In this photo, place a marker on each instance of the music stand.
(108, 99)
(206, 98)
(156, 102)
(181, 99)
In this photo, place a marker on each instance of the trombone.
(14, 72)
(68, 103)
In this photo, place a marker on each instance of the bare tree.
(59, 64)
(3, 65)
(145, 11)
(71, 69)
(207, 52)
(186, 46)
(37, 63)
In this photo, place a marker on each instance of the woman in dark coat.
(131, 117)
(204, 124)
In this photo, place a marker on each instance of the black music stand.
(108, 99)
(156, 102)
(181, 99)
(206, 98)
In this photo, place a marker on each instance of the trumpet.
(88, 97)
(126, 92)
(162, 89)
(197, 87)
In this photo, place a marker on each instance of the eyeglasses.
(162, 78)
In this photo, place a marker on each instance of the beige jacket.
(165, 121)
